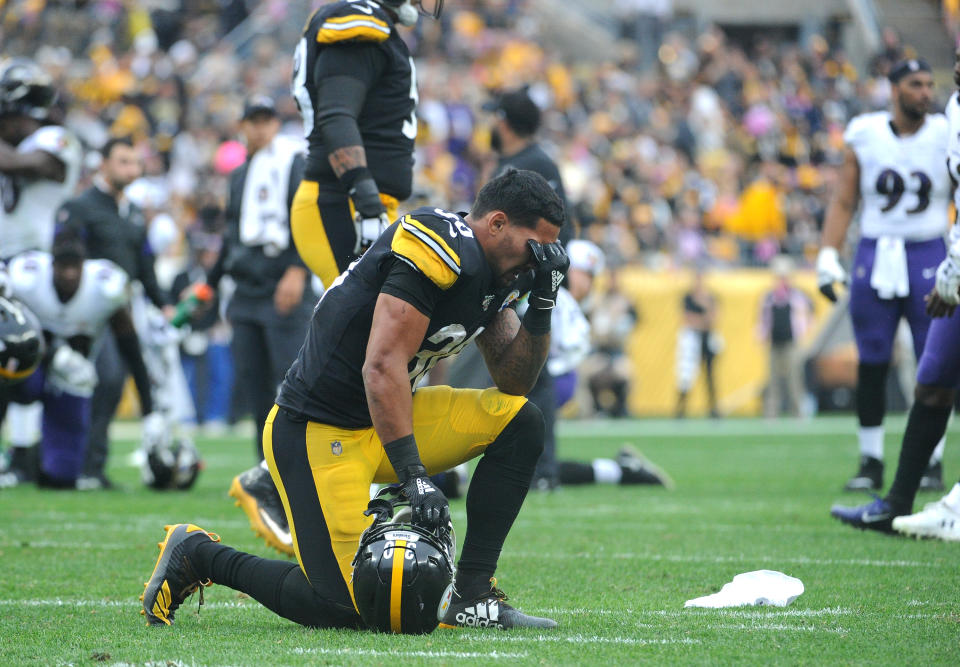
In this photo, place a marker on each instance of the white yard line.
(495, 655)
(676, 558)
(769, 612)
(575, 639)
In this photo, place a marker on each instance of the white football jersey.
(102, 291)
(569, 335)
(30, 204)
(904, 183)
(953, 143)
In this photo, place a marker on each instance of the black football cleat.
(488, 610)
(173, 579)
(868, 478)
(932, 479)
(877, 515)
(257, 496)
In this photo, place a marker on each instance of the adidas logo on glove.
(423, 486)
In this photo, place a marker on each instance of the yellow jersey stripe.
(434, 240)
(357, 17)
(415, 251)
(362, 33)
(396, 585)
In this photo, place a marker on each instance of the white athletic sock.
(871, 441)
(24, 422)
(263, 464)
(606, 471)
(952, 499)
(937, 455)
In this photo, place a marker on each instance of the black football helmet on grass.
(22, 344)
(401, 570)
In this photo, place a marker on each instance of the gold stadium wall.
(741, 369)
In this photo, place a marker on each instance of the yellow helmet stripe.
(396, 584)
(17, 375)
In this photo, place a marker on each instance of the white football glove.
(72, 373)
(829, 271)
(155, 434)
(6, 286)
(947, 284)
(368, 231)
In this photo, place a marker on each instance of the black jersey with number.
(359, 39)
(429, 258)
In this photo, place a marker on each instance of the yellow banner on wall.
(742, 367)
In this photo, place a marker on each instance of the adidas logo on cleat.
(483, 615)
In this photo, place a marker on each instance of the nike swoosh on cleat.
(282, 535)
(866, 517)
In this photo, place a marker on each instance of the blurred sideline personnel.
(112, 228)
(270, 309)
(346, 414)
(39, 168)
(74, 301)
(515, 124)
(569, 346)
(513, 139)
(355, 84)
(697, 344)
(938, 375)
(895, 164)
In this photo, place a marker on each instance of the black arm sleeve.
(343, 75)
(409, 284)
(129, 347)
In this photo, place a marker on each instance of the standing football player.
(895, 166)
(346, 414)
(938, 375)
(39, 168)
(356, 86)
(75, 301)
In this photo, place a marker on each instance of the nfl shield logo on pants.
(336, 448)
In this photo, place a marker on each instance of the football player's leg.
(874, 326)
(24, 424)
(251, 368)
(922, 259)
(111, 375)
(455, 425)
(543, 396)
(938, 374)
(321, 222)
(66, 425)
(325, 498)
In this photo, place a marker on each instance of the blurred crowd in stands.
(685, 149)
(714, 152)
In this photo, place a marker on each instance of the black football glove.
(429, 507)
(371, 217)
(551, 266)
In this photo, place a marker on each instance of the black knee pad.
(522, 439)
(871, 393)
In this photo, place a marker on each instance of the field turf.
(613, 565)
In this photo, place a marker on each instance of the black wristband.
(537, 321)
(405, 458)
(353, 175)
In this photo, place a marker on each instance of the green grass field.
(613, 565)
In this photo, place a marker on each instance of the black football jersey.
(359, 39)
(429, 258)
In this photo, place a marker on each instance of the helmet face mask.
(401, 571)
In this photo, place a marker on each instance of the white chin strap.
(407, 14)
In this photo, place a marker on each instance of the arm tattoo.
(349, 157)
(514, 357)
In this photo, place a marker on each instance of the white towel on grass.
(760, 587)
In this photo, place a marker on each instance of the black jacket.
(113, 232)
